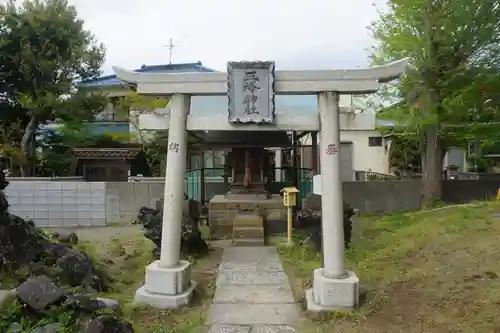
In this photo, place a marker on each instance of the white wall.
(58, 204)
(366, 158)
(357, 128)
(456, 156)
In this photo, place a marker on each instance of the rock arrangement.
(309, 220)
(28, 251)
(40, 306)
(192, 242)
(56, 282)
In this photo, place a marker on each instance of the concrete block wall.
(70, 203)
(123, 200)
(58, 204)
(383, 196)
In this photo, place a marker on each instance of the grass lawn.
(126, 257)
(427, 271)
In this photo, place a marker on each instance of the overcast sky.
(296, 34)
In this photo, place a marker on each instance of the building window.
(375, 141)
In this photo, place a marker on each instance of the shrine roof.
(113, 81)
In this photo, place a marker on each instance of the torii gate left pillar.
(168, 281)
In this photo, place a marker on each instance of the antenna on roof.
(170, 47)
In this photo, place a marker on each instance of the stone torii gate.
(251, 88)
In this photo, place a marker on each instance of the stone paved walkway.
(252, 294)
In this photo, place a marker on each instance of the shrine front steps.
(243, 242)
(248, 230)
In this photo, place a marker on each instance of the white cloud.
(296, 34)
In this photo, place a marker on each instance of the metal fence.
(476, 176)
(202, 184)
(369, 176)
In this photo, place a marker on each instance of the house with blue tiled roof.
(118, 162)
(109, 120)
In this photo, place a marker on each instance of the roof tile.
(112, 80)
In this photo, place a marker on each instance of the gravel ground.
(104, 234)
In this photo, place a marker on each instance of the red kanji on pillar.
(331, 149)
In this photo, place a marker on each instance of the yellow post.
(289, 201)
(498, 194)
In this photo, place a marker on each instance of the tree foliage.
(44, 52)
(133, 104)
(453, 48)
(404, 154)
(155, 150)
(154, 146)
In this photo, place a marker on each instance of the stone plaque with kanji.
(251, 92)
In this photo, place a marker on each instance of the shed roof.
(86, 153)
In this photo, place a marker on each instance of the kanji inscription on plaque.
(251, 89)
(251, 92)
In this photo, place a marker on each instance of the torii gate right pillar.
(333, 286)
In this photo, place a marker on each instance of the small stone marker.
(39, 292)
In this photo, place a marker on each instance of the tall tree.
(453, 47)
(44, 52)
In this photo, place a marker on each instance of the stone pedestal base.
(333, 294)
(223, 210)
(166, 288)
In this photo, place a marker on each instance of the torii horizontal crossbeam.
(352, 81)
